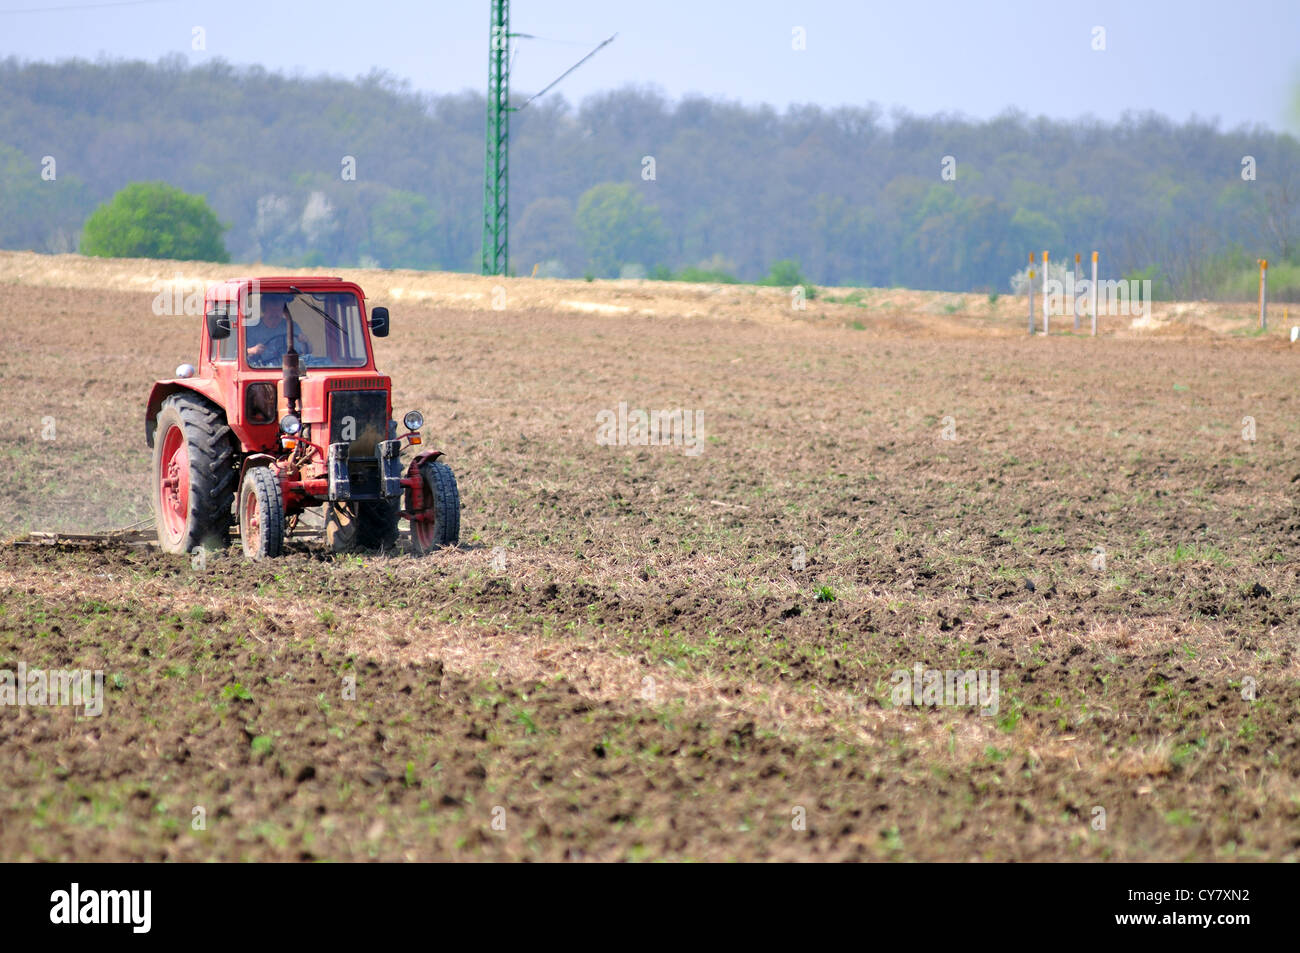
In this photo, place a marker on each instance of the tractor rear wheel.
(261, 514)
(193, 474)
(370, 524)
(439, 525)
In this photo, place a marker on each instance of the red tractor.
(286, 411)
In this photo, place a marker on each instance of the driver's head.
(274, 308)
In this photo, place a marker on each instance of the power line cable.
(569, 70)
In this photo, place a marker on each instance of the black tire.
(373, 527)
(261, 514)
(440, 485)
(205, 516)
(340, 528)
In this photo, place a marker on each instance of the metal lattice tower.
(496, 177)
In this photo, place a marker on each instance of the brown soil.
(649, 677)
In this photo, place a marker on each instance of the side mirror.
(218, 325)
(379, 322)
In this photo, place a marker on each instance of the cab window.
(225, 348)
(327, 329)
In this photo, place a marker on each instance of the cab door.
(222, 354)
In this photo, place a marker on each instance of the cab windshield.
(327, 335)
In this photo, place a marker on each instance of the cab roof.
(282, 280)
(281, 283)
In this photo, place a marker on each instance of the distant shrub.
(705, 276)
(857, 297)
(701, 274)
(786, 273)
(154, 220)
(1243, 284)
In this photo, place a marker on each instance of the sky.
(1213, 59)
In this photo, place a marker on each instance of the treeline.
(368, 172)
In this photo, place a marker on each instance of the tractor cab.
(326, 332)
(286, 411)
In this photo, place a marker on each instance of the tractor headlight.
(290, 424)
(414, 420)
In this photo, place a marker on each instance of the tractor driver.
(266, 340)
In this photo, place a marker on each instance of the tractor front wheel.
(439, 524)
(261, 514)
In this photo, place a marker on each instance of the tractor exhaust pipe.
(292, 385)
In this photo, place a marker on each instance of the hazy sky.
(1239, 62)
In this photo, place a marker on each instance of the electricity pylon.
(496, 171)
(496, 165)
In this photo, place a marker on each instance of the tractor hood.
(317, 389)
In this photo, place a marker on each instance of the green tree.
(154, 220)
(617, 228)
(546, 234)
(845, 193)
(1034, 231)
(36, 212)
(404, 231)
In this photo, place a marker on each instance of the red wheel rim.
(174, 484)
(424, 525)
(425, 530)
(251, 521)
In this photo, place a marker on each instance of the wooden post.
(1047, 312)
(1094, 294)
(1263, 293)
(1074, 302)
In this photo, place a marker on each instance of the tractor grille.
(356, 383)
(359, 418)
